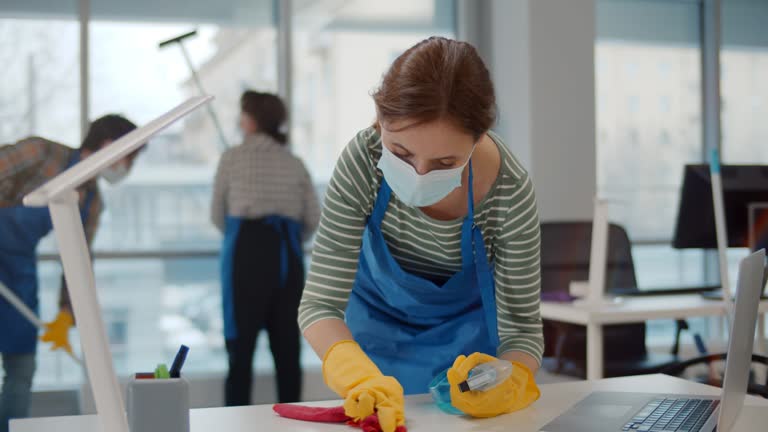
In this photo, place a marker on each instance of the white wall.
(541, 56)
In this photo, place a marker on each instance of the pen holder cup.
(158, 405)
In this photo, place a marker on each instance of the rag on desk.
(329, 415)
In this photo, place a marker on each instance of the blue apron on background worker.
(264, 203)
(290, 257)
(24, 167)
(262, 273)
(21, 229)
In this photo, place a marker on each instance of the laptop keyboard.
(672, 415)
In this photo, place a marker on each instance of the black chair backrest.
(565, 255)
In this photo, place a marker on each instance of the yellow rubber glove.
(515, 393)
(353, 376)
(57, 331)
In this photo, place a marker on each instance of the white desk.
(633, 310)
(422, 415)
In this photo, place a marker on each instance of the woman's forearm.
(521, 357)
(323, 334)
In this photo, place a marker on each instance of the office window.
(157, 268)
(164, 202)
(39, 79)
(633, 100)
(157, 253)
(40, 95)
(744, 87)
(744, 91)
(163, 206)
(664, 139)
(340, 54)
(665, 70)
(665, 104)
(648, 85)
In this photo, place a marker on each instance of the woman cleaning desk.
(428, 246)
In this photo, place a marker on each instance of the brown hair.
(268, 111)
(438, 78)
(111, 127)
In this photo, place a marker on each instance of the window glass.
(744, 91)
(648, 93)
(40, 77)
(340, 54)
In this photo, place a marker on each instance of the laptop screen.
(749, 288)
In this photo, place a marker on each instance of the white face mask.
(114, 174)
(239, 134)
(418, 190)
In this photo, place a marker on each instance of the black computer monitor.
(742, 185)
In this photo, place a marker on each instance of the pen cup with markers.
(158, 405)
(159, 401)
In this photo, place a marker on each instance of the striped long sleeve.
(518, 277)
(427, 247)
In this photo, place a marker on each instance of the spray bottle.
(482, 377)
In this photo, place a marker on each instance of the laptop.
(644, 412)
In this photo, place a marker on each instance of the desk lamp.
(60, 196)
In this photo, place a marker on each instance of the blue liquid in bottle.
(481, 378)
(440, 390)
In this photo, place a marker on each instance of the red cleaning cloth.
(371, 424)
(329, 415)
(313, 414)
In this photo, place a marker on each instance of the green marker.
(161, 372)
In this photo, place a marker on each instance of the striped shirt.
(262, 178)
(507, 217)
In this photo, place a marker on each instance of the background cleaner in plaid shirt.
(265, 205)
(25, 166)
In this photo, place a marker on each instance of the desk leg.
(594, 351)
(761, 347)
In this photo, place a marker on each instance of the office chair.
(753, 388)
(565, 252)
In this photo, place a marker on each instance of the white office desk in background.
(422, 415)
(627, 310)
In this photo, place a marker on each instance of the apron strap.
(290, 242)
(468, 225)
(473, 252)
(382, 202)
(485, 280)
(471, 193)
(73, 159)
(89, 195)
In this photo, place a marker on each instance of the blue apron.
(411, 327)
(290, 232)
(21, 229)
